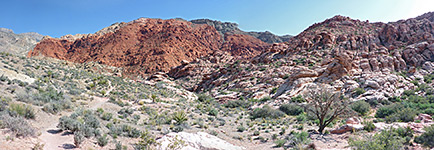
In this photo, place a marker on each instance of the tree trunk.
(321, 128)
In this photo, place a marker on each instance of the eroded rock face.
(146, 45)
(141, 46)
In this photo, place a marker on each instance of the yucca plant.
(180, 117)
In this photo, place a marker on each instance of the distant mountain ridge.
(17, 44)
(230, 27)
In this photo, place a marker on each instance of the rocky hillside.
(18, 44)
(148, 45)
(229, 27)
(381, 59)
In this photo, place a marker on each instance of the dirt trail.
(54, 139)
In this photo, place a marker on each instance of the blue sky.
(59, 17)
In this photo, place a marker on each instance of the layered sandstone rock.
(146, 45)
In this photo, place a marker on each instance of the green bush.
(301, 117)
(102, 140)
(387, 110)
(23, 110)
(428, 78)
(78, 139)
(369, 126)
(266, 112)
(291, 109)
(361, 107)
(417, 99)
(241, 128)
(264, 99)
(106, 116)
(298, 139)
(204, 98)
(402, 115)
(427, 138)
(213, 112)
(147, 141)
(57, 106)
(280, 143)
(385, 140)
(359, 91)
(298, 99)
(256, 133)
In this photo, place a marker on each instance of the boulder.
(196, 141)
(347, 128)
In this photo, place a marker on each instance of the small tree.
(325, 105)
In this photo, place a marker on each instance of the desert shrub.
(428, 78)
(102, 140)
(256, 133)
(213, 112)
(427, 138)
(78, 139)
(147, 141)
(280, 143)
(49, 95)
(402, 115)
(291, 109)
(394, 99)
(57, 106)
(124, 130)
(430, 98)
(417, 99)
(266, 112)
(264, 99)
(125, 112)
(68, 123)
(18, 125)
(392, 138)
(387, 110)
(237, 103)
(359, 91)
(384, 140)
(298, 139)
(369, 126)
(298, 99)
(107, 116)
(80, 121)
(4, 102)
(23, 110)
(429, 111)
(361, 107)
(241, 128)
(204, 98)
(274, 90)
(408, 92)
(301, 117)
(130, 131)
